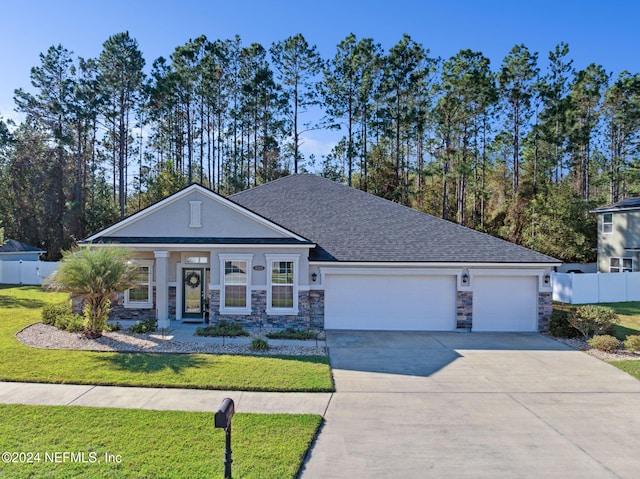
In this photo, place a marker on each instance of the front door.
(193, 293)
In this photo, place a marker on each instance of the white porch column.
(162, 288)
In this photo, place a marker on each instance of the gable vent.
(195, 214)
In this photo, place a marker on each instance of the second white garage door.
(392, 303)
(505, 303)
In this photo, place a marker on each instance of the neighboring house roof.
(350, 225)
(628, 204)
(13, 246)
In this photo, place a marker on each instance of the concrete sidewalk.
(161, 398)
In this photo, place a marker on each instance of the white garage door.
(393, 303)
(505, 303)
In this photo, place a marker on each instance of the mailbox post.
(223, 420)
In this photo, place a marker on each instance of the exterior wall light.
(547, 279)
(314, 276)
(465, 278)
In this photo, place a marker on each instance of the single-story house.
(619, 236)
(12, 250)
(303, 251)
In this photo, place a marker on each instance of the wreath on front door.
(192, 279)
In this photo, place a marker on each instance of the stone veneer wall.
(118, 311)
(464, 309)
(310, 311)
(545, 306)
(172, 302)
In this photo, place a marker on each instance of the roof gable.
(217, 217)
(351, 225)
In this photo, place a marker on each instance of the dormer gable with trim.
(196, 213)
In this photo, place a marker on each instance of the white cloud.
(318, 143)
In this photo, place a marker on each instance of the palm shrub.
(95, 275)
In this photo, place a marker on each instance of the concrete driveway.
(474, 405)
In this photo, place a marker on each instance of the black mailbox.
(224, 414)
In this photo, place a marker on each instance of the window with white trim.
(235, 281)
(620, 265)
(282, 292)
(140, 295)
(607, 223)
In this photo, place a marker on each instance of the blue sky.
(604, 32)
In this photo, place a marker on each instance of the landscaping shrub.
(632, 343)
(604, 343)
(61, 316)
(560, 326)
(259, 344)
(148, 325)
(51, 312)
(291, 333)
(114, 327)
(75, 323)
(593, 319)
(222, 328)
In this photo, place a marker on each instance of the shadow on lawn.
(621, 332)
(152, 362)
(13, 302)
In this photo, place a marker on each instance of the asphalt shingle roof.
(13, 246)
(627, 204)
(350, 225)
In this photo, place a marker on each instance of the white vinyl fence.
(576, 288)
(26, 272)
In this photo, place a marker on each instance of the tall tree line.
(522, 150)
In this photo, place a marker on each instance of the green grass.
(151, 444)
(629, 314)
(20, 306)
(628, 366)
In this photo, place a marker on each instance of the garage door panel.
(381, 302)
(505, 303)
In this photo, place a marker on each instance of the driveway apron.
(474, 405)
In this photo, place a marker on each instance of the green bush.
(291, 333)
(61, 316)
(51, 312)
(221, 329)
(592, 319)
(632, 343)
(75, 323)
(259, 344)
(604, 343)
(148, 325)
(114, 327)
(560, 326)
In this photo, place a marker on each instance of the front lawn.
(628, 366)
(20, 306)
(130, 443)
(629, 314)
